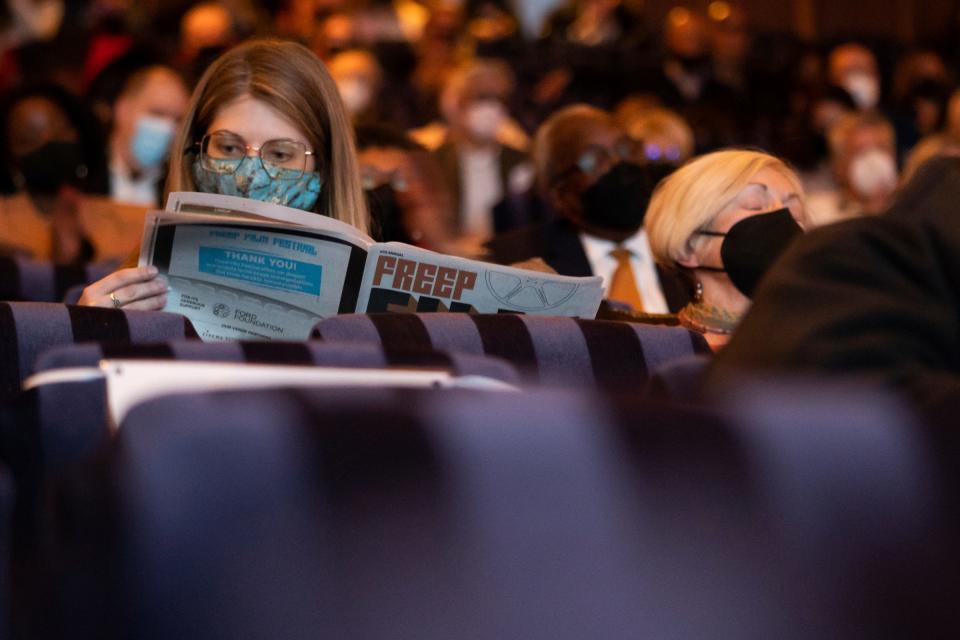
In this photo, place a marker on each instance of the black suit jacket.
(875, 297)
(558, 243)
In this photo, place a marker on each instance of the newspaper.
(243, 269)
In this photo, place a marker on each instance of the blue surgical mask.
(250, 180)
(151, 141)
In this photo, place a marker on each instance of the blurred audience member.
(205, 30)
(588, 171)
(146, 115)
(404, 187)
(864, 162)
(921, 90)
(55, 166)
(491, 28)
(803, 136)
(594, 23)
(915, 68)
(27, 21)
(436, 51)
(478, 168)
(666, 138)
(933, 146)
(721, 221)
(729, 45)
(686, 67)
(854, 67)
(358, 77)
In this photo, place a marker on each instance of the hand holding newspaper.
(241, 269)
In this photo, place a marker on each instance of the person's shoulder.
(855, 248)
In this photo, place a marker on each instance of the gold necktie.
(623, 286)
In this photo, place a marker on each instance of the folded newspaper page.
(403, 278)
(240, 269)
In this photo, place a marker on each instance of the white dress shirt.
(481, 189)
(644, 269)
(126, 189)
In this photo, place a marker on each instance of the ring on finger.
(115, 300)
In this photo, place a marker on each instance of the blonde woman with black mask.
(264, 122)
(721, 220)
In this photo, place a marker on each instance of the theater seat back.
(375, 514)
(27, 280)
(27, 329)
(550, 351)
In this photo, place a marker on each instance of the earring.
(698, 292)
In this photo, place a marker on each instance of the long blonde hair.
(692, 196)
(291, 79)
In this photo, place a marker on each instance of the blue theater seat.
(786, 513)
(27, 329)
(24, 279)
(67, 437)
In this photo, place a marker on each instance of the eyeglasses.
(284, 159)
(596, 160)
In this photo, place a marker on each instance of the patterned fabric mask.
(250, 180)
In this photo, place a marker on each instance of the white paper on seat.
(131, 382)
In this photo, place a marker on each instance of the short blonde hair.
(291, 79)
(691, 197)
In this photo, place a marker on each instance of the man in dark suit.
(876, 298)
(587, 172)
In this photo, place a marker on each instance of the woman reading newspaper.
(264, 122)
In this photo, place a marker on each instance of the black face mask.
(52, 166)
(618, 200)
(752, 245)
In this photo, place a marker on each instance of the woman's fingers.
(129, 296)
(135, 288)
(153, 303)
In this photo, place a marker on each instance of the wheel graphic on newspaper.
(528, 293)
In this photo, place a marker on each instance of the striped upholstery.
(372, 514)
(70, 436)
(23, 279)
(29, 328)
(566, 352)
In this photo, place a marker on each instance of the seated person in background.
(478, 168)
(666, 137)
(264, 122)
(932, 146)
(721, 220)
(854, 67)
(358, 77)
(146, 114)
(588, 172)
(55, 169)
(886, 294)
(863, 157)
(405, 192)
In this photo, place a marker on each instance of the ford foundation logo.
(221, 310)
